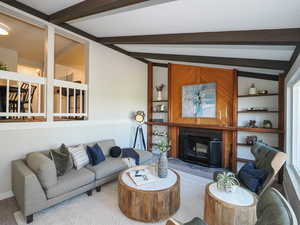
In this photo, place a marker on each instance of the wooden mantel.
(188, 125)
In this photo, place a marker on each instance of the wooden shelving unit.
(151, 103)
(258, 95)
(280, 114)
(261, 130)
(258, 111)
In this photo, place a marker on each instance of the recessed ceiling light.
(4, 30)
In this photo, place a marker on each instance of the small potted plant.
(163, 148)
(3, 66)
(227, 182)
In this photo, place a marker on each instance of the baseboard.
(5, 195)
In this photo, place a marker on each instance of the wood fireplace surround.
(226, 103)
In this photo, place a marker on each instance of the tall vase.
(163, 165)
(159, 95)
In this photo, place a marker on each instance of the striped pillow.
(79, 156)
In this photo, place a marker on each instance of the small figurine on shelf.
(250, 140)
(252, 90)
(267, 124)
(252, 124)
(159, 90)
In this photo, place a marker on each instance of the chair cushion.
(96, 154)
(145, 156)
(43, 167)
(108, 167)
(273, 209)
(251, 177)
(71, 181)
(106, 145)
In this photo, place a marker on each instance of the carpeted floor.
(102, 208)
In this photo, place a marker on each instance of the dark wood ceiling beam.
(249, 37)
(257, 63)
(257, 75)
(89, 7)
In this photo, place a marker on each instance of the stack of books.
(141, 176)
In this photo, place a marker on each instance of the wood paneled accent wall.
(181, 75)
(226, 95)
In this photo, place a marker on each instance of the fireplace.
(199, 146)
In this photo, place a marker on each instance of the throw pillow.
(79, 155)
(115, 152)
(64, 149)
(251, 177)
(44, 168)
(60, 160)
(96, 154)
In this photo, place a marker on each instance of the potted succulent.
(3, 66)
(227, 182)
(163, 148)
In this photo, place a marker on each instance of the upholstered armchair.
(268, 159)
(272, 209)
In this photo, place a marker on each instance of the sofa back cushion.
(43, 167)
(272, 208)
(106, 145)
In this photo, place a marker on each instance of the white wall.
(118, 87)
(10, 58)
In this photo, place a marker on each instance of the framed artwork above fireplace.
(199, 100)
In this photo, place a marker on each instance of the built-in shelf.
(258, 111)
(160, 112)
(244, 160)
(160, 101)
(257, 95)
(247, 145)
(159, 135)
(261, 130)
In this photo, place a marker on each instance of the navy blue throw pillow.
(251, 177)
(96, 154)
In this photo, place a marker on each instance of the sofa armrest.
(27, 188)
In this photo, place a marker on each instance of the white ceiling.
(50, 6)
(188, 16)
(184, 16)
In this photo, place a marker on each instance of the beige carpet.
(102, 208)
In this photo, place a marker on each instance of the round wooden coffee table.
(151, 202)
(237, 208)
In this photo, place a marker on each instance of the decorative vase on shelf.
(252, 90)
(163, 165)
(159, 90)
(159, 95)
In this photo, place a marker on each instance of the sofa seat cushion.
(71, 181)
(145, 156)
(108, 167)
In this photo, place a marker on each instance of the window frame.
(49, 81)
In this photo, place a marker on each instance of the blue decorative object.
(199, 100)
(130, 153)
(96, 154)
(251, 177)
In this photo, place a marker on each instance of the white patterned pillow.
(79, 156)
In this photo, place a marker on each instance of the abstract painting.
(199, 100)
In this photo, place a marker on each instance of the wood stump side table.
(151, 202)
(237, 208)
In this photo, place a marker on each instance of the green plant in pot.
(163, 148)
(227, 182)
(3, 66)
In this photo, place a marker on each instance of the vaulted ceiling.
(267, 41)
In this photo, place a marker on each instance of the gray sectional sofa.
(37, 187)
